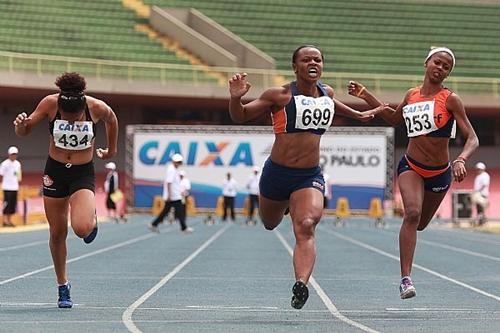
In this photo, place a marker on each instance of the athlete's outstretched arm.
(23, 124)
(238, 87)
(342, 109)
(391, 116)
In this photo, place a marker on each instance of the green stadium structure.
(381, 42)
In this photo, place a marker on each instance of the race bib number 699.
(314, 113)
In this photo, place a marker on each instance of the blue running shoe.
(300, 295)
(64, 301)
(90, 237)
(406, 288)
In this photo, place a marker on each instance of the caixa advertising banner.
(356, 161)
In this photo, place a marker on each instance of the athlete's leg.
(271, 211)
(430, 205)
(56, 211)
(411, 186)
(83, 214)
(306, 208)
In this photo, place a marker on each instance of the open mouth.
(313, 72)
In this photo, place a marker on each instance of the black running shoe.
(300, 295)
(90, 237)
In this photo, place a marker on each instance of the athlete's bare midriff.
(431, 151)
(68, 156)
(296, 150)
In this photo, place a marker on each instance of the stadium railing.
(164, 73)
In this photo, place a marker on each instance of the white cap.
(176, 158)
(256, 169)
(480, 166)
(441, 49)
(182, 173)
(110, 165)
(12, 150)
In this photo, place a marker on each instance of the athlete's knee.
(83, 230)
(305, 227)
(412, 215)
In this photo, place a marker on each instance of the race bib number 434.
(73, 136)
(419, 118)
(314, 113)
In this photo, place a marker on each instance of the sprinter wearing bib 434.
(431, 113)
(69, 180)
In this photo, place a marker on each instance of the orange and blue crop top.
(304, 113)
(428, 115)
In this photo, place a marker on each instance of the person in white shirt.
(328, 192)
(172, 194)
(253, 193)
(111, 187)
(229, 191)
(482, 192)
(185, 188)
(10, 176)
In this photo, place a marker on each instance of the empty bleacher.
(366, 36)
(102, 30)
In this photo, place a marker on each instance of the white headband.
(441, 49)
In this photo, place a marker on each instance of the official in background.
(172, 194)
(253, 193)
(10, 176)
(481, 192)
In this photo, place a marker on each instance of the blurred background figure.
(229, 191)
(10, 176)
(172, 194)
(481, 192)
(185, 189)
(328, 189)
(253, 193)
(114, 195)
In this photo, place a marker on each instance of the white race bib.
(419, 118)
(77, 135)
(313, 113)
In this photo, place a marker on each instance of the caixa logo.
(150, 153)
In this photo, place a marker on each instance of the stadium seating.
(93, 29)
(365, 36)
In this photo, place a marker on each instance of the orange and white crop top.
(428, 115)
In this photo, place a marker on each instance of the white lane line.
(458, 249)
(324, 297)
(90, 254)
(127, 314)
(430, 271)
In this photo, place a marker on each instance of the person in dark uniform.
(301, 112)
(431, 113)
(69, 177)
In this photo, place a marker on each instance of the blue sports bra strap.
(322, 89)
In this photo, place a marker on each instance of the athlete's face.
(308, 64)
(439, 66)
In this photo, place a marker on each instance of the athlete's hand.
(103, 153)
(356, 89)
(238, 85)
(459, 170)
(370, 114)
(21, 119)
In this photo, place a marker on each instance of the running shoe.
(154, 228)
(300, 295)
(64, 301)
(90, 237)
(406, 288)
